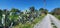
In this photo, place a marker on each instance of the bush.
(58, 16)
(29, 24)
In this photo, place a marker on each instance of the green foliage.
(37, 19)
(27, 20)
(56, 11)
(1, 12)
(32, 9)
(58, 16)
(29, 24)
(42, 10)
(15, 10)
(26, 25)
(13, 17)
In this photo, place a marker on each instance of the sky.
(25, 4)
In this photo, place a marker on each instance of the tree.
(14, 16)
(42, 10)
(32, 9)
(6, 19)
(1, 12)
(14, 13)
(15, 10)
(56, 11)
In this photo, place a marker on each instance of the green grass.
(58, 16)
(38, 19)
(29, 24)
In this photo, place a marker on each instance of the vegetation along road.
(46, 22)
